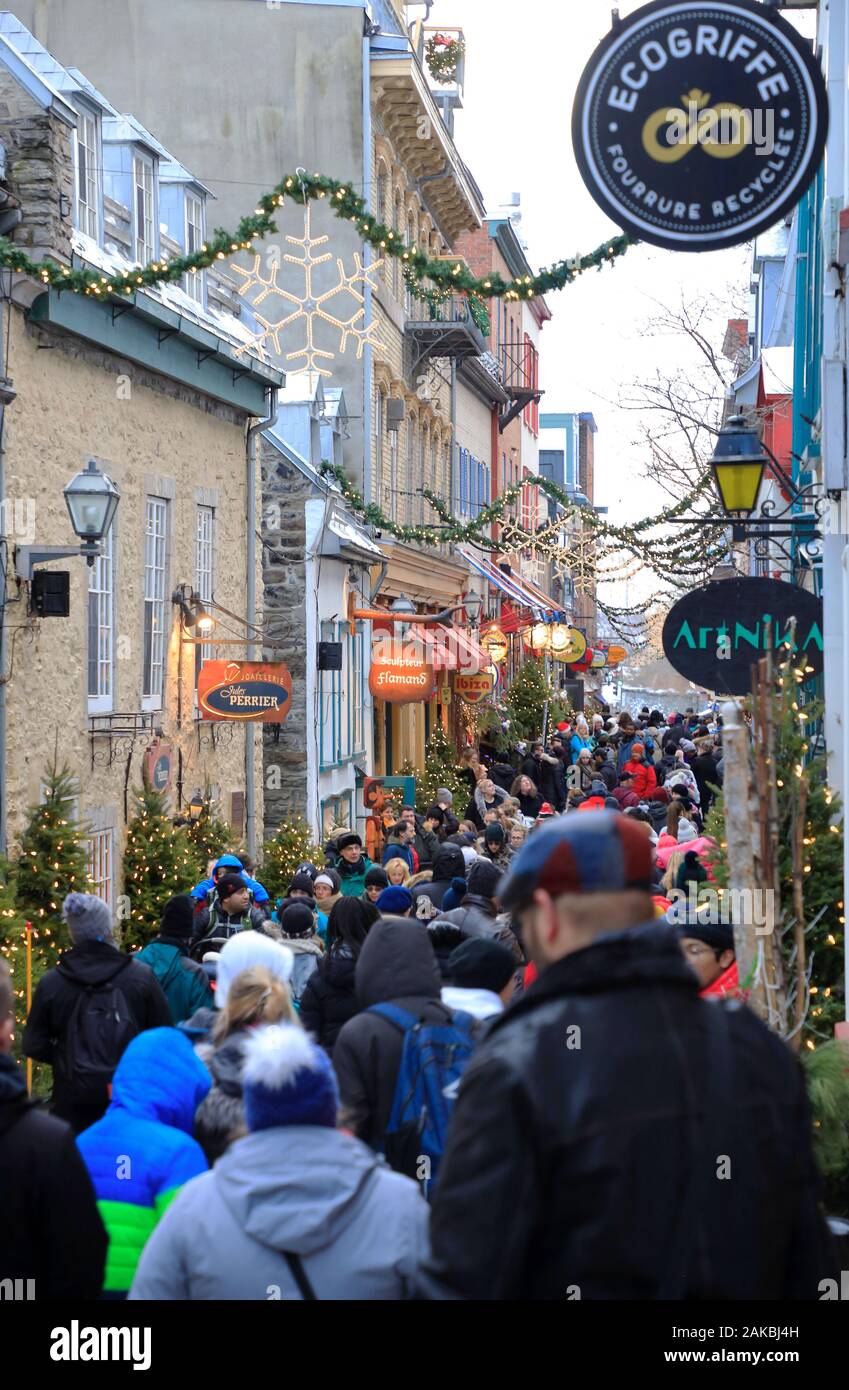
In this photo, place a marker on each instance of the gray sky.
(523, 63)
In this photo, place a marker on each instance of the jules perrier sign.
(698, 125)
(713, 636)
(260, 690)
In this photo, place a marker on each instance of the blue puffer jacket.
(141, 1152)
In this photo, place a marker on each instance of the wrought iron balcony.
(445, 329)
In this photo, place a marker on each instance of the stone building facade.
(127, 385)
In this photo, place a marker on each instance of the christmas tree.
(292, 845)
(54, 858)
(440, 770)
(822, 854)
(159, 861)
(525, 701)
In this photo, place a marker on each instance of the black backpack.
(100, 1027)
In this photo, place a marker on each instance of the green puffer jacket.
(184, 983)
(353, 876)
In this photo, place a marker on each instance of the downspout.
(250, 727)
(844, 562)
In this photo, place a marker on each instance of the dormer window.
(193, 281)
(86, 147)
(144, 226)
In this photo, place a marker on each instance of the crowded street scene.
(426, 879)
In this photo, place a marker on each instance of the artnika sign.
(260, 690)
(713, 636)
(699, 123)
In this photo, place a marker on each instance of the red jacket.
(592, 803)
(645, 778)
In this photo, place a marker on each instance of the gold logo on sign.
(698, 124)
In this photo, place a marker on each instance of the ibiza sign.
(713, 636)
(245, 690)
(700, 123)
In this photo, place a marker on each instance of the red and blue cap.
(603, 853)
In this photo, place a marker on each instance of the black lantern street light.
(739, 462)
(738, 465)
(92, 500)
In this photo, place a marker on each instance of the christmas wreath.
(443, 55)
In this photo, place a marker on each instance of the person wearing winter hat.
(596, 795)
(327, 889)
(494, 846)
(642, 771)
(229, 912)
(581, 891)
(91, 971)
(245, 950)
(482, 973)
(51, 1231)
(427, 896)
(374, 883)
(297, 924)
(204, 892)
(477, 913)
(454, 894)
(708, 948)
(329, 999)
(184, 982)
(157, 1087)
(255, 998)
(296, 1205)
(352, 865)
(395, 901)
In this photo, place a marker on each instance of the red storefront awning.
(451, 648)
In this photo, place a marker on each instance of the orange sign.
(256, 690)
(474, 689)
(401, 682)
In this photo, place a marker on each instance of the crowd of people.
(500, 1064)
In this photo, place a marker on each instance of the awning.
(451, 648)
(518, 589)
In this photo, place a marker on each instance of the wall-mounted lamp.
(92, 500)
(192, 610)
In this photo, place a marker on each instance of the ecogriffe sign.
(698, 124)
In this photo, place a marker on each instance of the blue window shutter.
(473, 488)
(464, 481)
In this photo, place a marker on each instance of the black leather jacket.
(596, 1118)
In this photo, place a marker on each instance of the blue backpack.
(433, 1060)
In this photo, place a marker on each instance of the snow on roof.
(36, 57)
(172, 296)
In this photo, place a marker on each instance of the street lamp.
(738, 466)
(92, 499)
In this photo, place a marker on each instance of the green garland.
(448, 275)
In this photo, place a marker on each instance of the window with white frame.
(378, 442)
(411, 469)
(356, 691)
(155, 536)
(86, 147)
(393, 474)
(100, 865)
(204, 560)
(100, 628)
(423, 454)
(144, 238)
(193, 280)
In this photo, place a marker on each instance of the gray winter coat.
(360, 1229)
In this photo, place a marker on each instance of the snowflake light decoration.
(310, 306)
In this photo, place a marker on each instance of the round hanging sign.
(714, 635)
(698, 124)
(575, 648)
